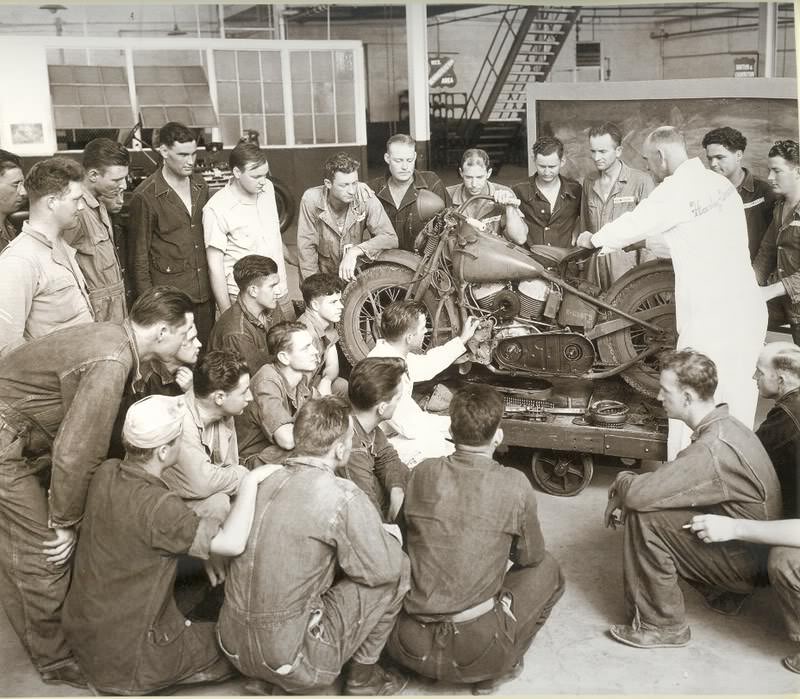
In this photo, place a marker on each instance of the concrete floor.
(573, 653)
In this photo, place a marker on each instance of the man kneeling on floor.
(120, 616)
(321, 581)
(725, 470)
(467, 618)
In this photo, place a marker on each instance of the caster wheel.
(562, 473)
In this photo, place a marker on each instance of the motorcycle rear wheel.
(652, 287)
(364, 300)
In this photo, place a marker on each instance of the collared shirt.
(780, 435)
(7, 234)
(320, 528)
(630, 188)
(239, 330)
(208, 462)
(549, 225)
(167, 239)
(759, 201)
(120, 614)
(466, 515)
(405, 217)
(93, 239)
(320, 243)
(69, 385)
(724, 470)
(374, 466)
(42, 288)
(323, 335)
(778, 258)
(489, 212)
(274, 404)
(240, 228)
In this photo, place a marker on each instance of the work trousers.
(784, 576)
(657, 552)
(32, 590)
(779, 316)
(488, 646)
(204, 321)
(353, 621)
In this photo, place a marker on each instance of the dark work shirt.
(759, 201)
(405, 218)
(120, 614)
(778, 259)
(374, 466)
(167, 240)
(725, 470)
(550, 226)
(466, 516)
(239, 330)
(780, 435)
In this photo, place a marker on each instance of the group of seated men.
(124, 449)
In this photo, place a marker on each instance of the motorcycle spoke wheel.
(561, 473)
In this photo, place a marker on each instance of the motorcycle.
(537, 319)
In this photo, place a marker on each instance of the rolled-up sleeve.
(273, 410)
(390, 471)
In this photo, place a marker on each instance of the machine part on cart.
(526, 408)
(559, 353)
(607, 413)
(561, 473)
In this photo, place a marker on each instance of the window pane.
(303, 130)
(181, 114)
(203, 116)
(273, 96)
(228, 96)
(343, 62)
(323, 97)
(113, 76)
(254, 122)
(301, 98)
(60, 74)
(193, 74)
(65, 94)
(148, 95)
(153, 117)
(276, 131)
(117, 95)
(67, 117)
(250, 95)
(225, 65)
(271, 66)
(347, 127)
(321, 68)
(90, 95)
(230, 128)
(345, 97)
(299, 66)
(248, 65)
(87, 74)
(325, 132)
(121, 117)
(93, 117)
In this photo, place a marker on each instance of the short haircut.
(245, 154)
(251, 268)
(609, 128)
(218, 370)
(374, 380)
(727, 137)
(174, 132)
(9, 161)
(694, 370)
(102, 153)
(547, 145)
(320, 284)
(666, 135)
(780, 149)
(319, 424)
(401, 139)
(785, 357)
(141, 455)
(475, 156)
(161, 304)
(279, 336)
(475, 414)
(52, 177)
(399, 318)
(341, 162)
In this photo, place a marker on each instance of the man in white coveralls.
(699, 217)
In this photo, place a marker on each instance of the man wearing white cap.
(120, 615)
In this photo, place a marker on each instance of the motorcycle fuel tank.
(489, 258)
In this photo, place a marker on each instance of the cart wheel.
(562, 473)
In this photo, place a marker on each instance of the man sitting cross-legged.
(321, 581)
(468, 618)
(419, 435)
(120, 616)
(724, 470)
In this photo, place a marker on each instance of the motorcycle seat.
(550, 256)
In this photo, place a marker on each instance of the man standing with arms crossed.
(167, 229)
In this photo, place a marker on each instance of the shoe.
(650, 638)
(489, 686)
(69, 674)
(792, 662)
(720, 601)
(380, 682)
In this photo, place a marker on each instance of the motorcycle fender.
(404, 258)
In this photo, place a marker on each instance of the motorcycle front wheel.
(364, 301)
(651, 287)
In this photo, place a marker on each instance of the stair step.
(540, 42)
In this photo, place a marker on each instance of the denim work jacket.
(466, 516)
(550, 225)
(320, 528)
(240, 331)
(167, 241)
(778, 258)
(725, 470)
(759, 204)
(67, 387)
(780, 435)
(374, 466)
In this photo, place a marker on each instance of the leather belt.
(473, 612)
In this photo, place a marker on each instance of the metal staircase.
(524, 48)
